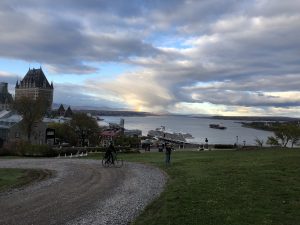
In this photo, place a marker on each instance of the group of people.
(111, 152)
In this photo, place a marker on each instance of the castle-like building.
(34, 85)
(6, 98)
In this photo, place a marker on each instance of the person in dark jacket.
(168, 153)
(206, 144)
(110, 153)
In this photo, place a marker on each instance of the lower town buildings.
(11, 130)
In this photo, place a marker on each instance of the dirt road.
(80, 192)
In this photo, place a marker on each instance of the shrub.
(39, 151)
(132, 142)
(4, 152)
(222, 146)
(74, 150)
(12, 149)
(23, 148)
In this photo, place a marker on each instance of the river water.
(198, 127)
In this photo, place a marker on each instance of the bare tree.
(259, 142)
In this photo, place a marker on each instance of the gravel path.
(80, 192)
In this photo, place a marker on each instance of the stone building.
(69, 112)
(64, 113)
(6, 98)
(11, 130)
(34, 85)
(61, 110)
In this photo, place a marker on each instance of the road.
(80, 192)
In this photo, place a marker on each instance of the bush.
(12, 149)
(4, 152)
(75, 150)
(39, 150)
(26, 149)
(221, 146)
(132, 142)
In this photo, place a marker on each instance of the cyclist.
(110, 153)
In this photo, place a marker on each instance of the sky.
(216, 57)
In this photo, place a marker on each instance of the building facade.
(6, 98)
(34, 85)
(11, 130)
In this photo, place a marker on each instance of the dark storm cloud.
(238, 53)
(276, 7)
(60, 42)
(123, 8)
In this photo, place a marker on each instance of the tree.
(285, 133)
(86, 128)
(127, 141)
(32, 111)
(64, 132)
(272, 141)
(259, 142)
(295, 135)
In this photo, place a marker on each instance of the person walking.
(168, 154)
(206, 144)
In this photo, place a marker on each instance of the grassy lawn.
(226, 187)
(12, 178)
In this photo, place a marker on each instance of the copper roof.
(36, 77)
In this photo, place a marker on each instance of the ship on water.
(163, 134)
(217, 126)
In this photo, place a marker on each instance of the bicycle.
(108, 162)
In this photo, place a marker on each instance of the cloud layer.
(208, 56)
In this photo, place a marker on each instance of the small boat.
(217, 126)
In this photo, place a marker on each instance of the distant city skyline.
(231, 58)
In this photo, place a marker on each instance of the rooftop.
(36, 77)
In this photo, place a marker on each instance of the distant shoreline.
(115, 113)
(143, 114)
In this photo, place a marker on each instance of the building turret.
(34, 85)
(69, 112)
(61, 110)
(5, 97)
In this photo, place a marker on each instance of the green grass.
(226, 187)
(13, 178)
